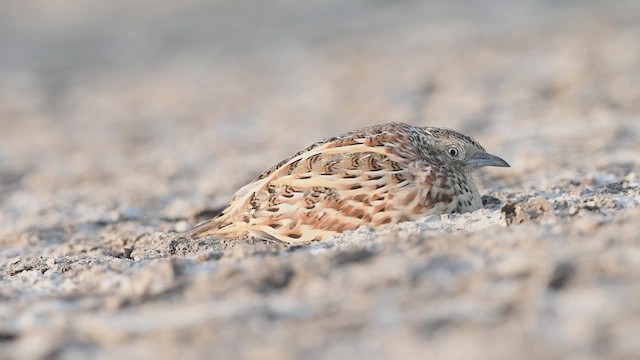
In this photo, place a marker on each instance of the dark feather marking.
(292, 166)
(398, 177)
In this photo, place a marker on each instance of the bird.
(377, 176)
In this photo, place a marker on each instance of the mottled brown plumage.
(377, 176)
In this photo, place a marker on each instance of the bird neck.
(468, 197)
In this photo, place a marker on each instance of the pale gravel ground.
(122, 124)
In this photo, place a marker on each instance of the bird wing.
(334, 185)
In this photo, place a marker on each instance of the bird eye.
(453, 152)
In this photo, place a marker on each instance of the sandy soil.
(123, 124)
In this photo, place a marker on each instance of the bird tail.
(221, 225)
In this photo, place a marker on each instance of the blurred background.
(162, 107)
(124, 121)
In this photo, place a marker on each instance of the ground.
(123, 124)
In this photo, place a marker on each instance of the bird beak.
(483, 159)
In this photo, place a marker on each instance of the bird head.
(460, 150)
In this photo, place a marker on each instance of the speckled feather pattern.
(377, 176)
